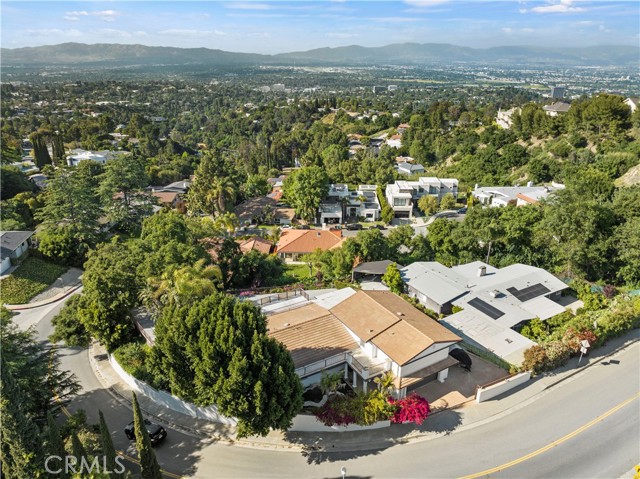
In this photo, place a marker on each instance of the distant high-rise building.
(557, 92)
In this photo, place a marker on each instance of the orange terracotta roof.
(307, 241)
(256, 243)
(524, 197)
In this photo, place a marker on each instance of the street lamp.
(343, 471)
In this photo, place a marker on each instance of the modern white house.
(632, 103)
(363, 335)
(494, 196)
(342, 204)
(493, 301)
(403, 195)
(77, 155)
(13, 244)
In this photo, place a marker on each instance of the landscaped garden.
(32, 277)
(562, 336)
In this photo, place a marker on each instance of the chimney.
(482, 270)
(529, 184)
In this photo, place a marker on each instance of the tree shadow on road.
(337, 446)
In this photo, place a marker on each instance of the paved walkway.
(440, 423)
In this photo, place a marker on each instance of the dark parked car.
(303, 227)
(156, 432)
(354, 227)
(462, 210)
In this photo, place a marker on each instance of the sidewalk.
(70, 281)
(442, 422)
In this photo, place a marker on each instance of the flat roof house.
(363, 334)
(403, 195)
(518, 195)
(494, 301)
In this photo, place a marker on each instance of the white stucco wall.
(425, 361)
(168, 400)
(484, 394)
(303, 422)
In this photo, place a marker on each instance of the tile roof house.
(253, 210)
(255, 243)
(494, 301)
(295, 243)
(363, 334)
(13, 245)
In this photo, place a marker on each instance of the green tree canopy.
(304, 189)
(216, 351)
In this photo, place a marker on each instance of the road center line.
(554, 443)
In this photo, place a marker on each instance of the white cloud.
(507, 30)
(82, 13)
(563, 6)
(424, 3)
(395, 19)
(248, 6)
(112, 32)
(106, 15)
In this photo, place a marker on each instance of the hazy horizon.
(271, 27)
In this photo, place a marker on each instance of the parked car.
(285, 227)
(354, 227)
(156, 432)
(377, 227)
(462, 210)
(303, 227)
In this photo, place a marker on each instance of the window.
(433, 190)
(399, 202)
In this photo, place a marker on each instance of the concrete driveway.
(461, 385)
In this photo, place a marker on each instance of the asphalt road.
(608, 449)
(545, 430)
(175, 454)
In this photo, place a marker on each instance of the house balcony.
(366, 366)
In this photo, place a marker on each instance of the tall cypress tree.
(108, 449)
(20, 444)
(55, 444)
(77, 449)
(149, 467)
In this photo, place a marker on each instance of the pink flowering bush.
(413, 408)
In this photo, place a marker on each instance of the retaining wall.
(488, 392)
(303, 422)
(170, 401)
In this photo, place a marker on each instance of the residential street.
(608, 449)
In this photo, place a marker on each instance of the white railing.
(321, 365)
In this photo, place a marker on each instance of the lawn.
(298, 271)
(32, 277)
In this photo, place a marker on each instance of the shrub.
(68, 328)
(135, 359)
(363, 409)
(535, 359)
(32, 277)
(413, 408)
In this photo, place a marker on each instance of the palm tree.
(228, 222)
(386, 382)
(182, 285)
(222, 191)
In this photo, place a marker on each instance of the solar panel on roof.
(530, 292)
(486, 308)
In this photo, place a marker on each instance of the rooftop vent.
(495, 293)
(399, 313)
(482, 270)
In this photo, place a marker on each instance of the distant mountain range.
(79, 54)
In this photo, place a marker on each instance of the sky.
(269, 27)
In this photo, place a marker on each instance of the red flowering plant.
(413, 408)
